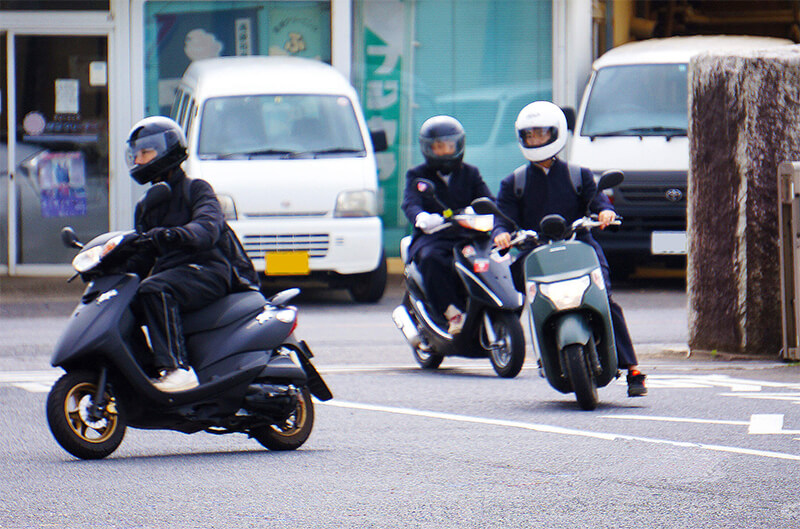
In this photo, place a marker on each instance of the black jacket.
(199, 224)
(465, 186)
(546, 194)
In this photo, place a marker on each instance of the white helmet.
(542, 115)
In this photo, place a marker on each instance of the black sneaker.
(636, 386)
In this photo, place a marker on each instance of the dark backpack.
(520, 173)
(243, 275)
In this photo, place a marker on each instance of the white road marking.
(673, 419)
(545, 428)
(762, 423)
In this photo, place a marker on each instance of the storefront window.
(176, 33)
(480, 61)
(59, 5)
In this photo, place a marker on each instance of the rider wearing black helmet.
(456, 183)
(184, 268)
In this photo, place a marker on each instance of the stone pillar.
(744, 120)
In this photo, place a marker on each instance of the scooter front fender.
(571, 328)
(96, 323)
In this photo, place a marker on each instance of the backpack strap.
(519, 180)
(575, 177)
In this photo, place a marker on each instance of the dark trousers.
(626, 356)
(163, 296)
(435, 263)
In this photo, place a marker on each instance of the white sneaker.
(456, 319)
(178, 379)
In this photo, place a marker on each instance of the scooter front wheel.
(507, 353)
(69, 414)
(293, 431)
(425, 359)
(578, 372)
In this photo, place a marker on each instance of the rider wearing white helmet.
(550, 186)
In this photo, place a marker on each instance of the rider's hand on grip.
(428, 221)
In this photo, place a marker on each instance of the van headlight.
(228, 206)
(565, 294)
(356, 204)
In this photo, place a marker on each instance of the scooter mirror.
(484, 206)
(553, 227)
(425, 187)
(69, 238)
(158, 193)
(609, 179)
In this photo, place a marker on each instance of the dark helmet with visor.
(449, 131)
(162, 136)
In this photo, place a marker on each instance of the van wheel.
(369, 287)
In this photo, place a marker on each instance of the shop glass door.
(4, 167)
(61, 163)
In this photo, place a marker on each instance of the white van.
(284, 143)
(634, 117)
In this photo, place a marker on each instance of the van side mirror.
(379, 141)
(569, 112)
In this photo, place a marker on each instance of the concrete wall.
(744, 120)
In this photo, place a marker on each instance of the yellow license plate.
(286, 264)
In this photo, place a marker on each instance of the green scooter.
(568, 309)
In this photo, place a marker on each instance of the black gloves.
(163, 237)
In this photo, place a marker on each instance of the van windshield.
(638, 100)
(288, 126)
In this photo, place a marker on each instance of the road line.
(544, 428)
(675, 419)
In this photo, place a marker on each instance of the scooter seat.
(224, 311)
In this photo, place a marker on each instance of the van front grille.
(660, 193)
(316, 244)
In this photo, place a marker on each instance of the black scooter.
(492, 327)
(255, 376)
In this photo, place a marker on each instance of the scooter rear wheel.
(508, 355)
(291, 433)
(578, 372)
(68, 415)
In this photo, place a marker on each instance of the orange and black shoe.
(636, 387)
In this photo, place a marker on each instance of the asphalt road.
(715, 444)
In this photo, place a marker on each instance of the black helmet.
(444, 129)
(161, 135)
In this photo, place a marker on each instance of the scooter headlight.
(89, 258)
(566, 294)
(476, 222)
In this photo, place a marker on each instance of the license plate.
(286, 264)
(668, 242)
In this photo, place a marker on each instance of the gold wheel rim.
(76, 413)
(295, 422)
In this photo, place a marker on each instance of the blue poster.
(62, 184)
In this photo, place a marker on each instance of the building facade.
(75, 75)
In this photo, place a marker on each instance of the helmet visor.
(532, 137)
(443, 147)
(144, 149)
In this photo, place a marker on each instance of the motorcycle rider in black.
(456, 184)
(542, 133)
(184, 268)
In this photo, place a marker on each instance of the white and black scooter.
(255, 376)
(492, 327)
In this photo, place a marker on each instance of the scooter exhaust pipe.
(404, 322)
